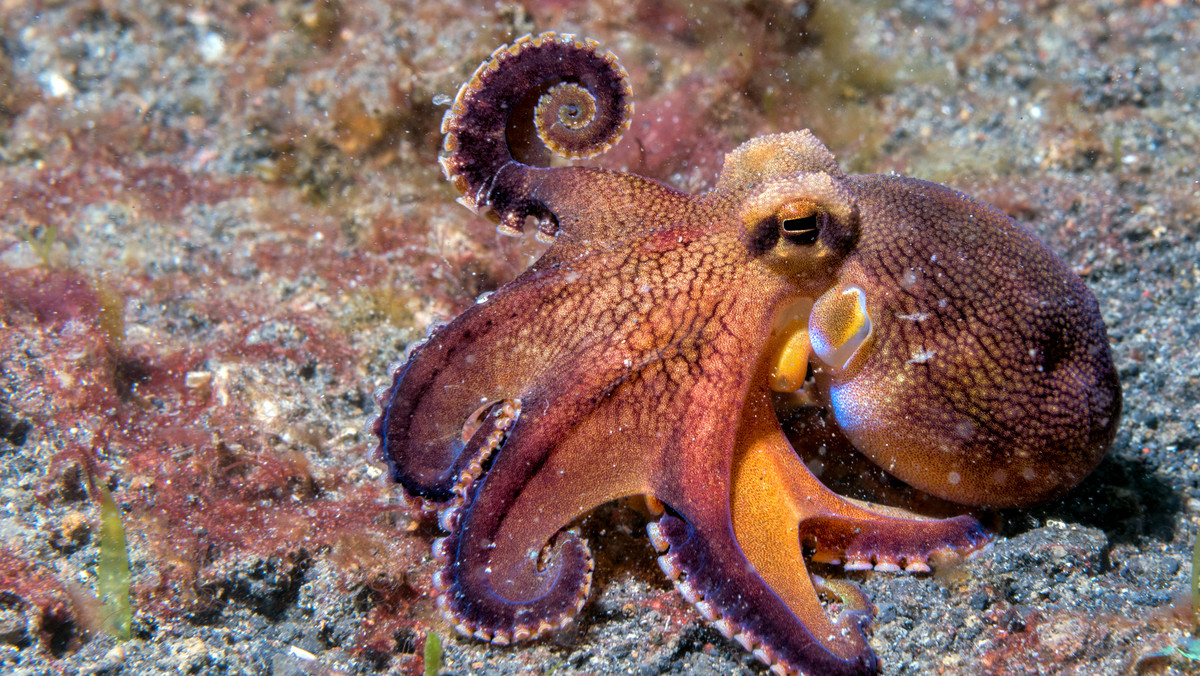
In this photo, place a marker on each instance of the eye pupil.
(801, 230)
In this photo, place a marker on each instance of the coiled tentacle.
(578, 111)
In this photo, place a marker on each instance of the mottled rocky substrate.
(220, 222)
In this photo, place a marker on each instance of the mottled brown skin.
(637, 357)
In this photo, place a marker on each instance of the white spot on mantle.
(921, 356)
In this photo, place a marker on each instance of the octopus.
(644, 352)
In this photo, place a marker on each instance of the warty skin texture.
(638, 355)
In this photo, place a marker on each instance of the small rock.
(110, 664)
(73, 533)
(14, 627)
(1065, 638)
(190, 655)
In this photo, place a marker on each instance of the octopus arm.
(741, 561)
(501, 350)
(512, 572)
(453, 381)
(774, 490)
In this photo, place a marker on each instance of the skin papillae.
(639, 356)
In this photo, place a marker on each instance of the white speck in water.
(212, 47)
(1035, 112)
(953, 478)
(442, 100)
(55, 85)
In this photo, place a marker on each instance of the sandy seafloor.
(222, 221)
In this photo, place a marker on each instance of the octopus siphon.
(640, 355)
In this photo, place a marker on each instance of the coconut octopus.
(639, 356)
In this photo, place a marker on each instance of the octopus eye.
(800, 222)
(839, 325)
